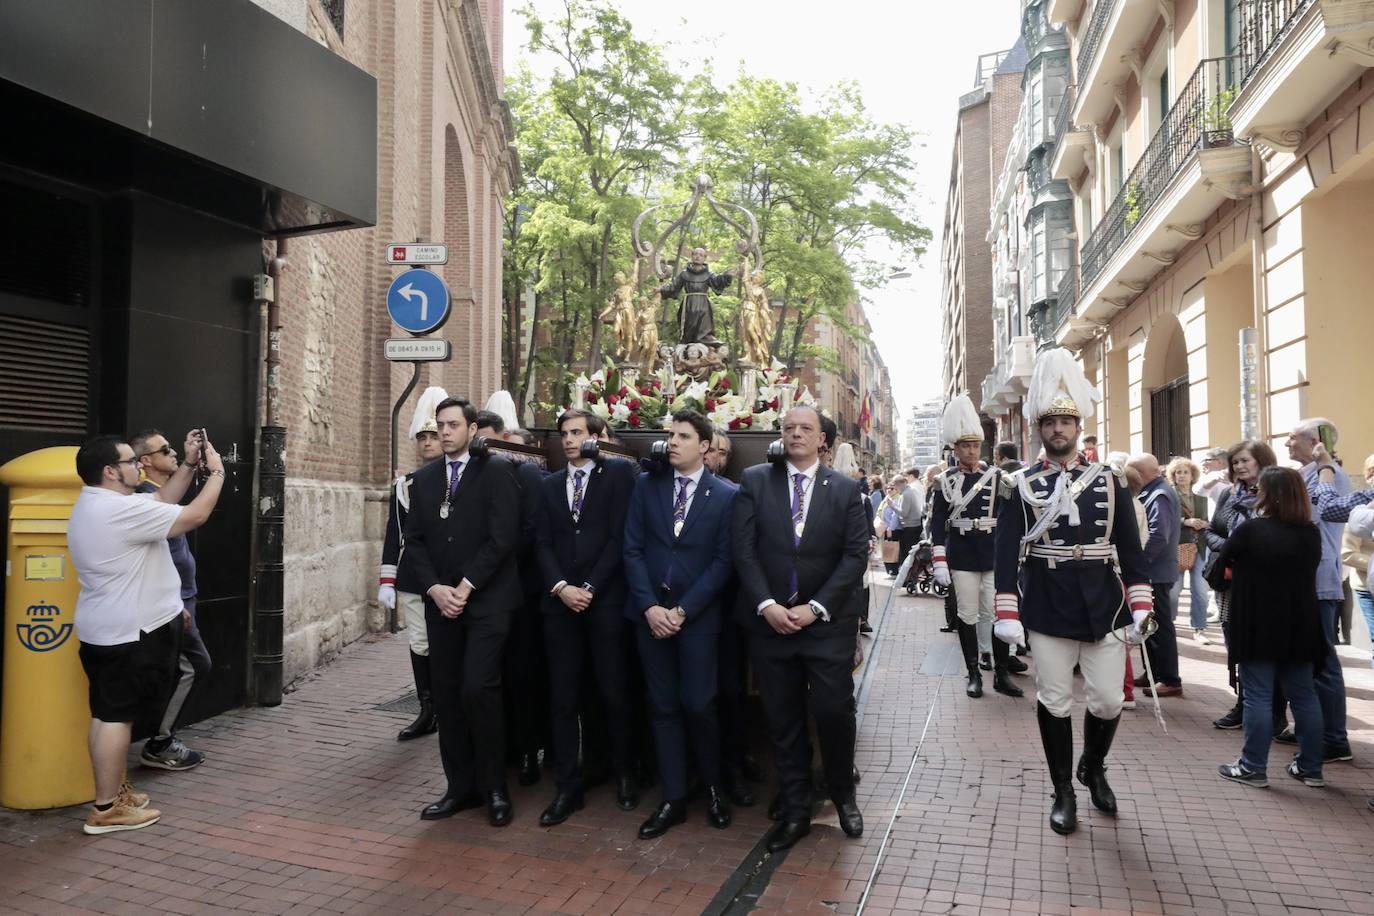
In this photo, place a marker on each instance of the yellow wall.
(1230, 307)
(1187, 42)
(1338, 272)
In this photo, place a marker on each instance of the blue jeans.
(1366, 602)
(1257, 681)
(1331, 682)
(1197, 594)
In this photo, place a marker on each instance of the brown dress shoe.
(1162, 690)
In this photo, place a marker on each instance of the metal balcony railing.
(1063, 119)
(1097, 28)
(1197, 120)
(1263, 26)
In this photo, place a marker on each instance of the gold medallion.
(677, 527)
(800, 526)
(443, 510)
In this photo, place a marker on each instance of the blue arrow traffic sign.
(418, 301)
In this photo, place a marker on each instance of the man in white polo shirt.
(128, 617)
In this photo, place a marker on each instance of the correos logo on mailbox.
(43, 632)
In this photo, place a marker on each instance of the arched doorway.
(1164, 376)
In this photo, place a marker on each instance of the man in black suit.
(525, 681)
(677, 558)
(582, 521)
(801, 545)
(461, 536)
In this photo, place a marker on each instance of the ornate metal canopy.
(747, 227)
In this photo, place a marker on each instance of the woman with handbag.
(1182, 473)
(1274, 631)
(1244, 461)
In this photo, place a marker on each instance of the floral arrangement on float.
(750, 400)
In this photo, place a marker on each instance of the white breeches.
(412, 608)
(1104, 672)
(973, 593)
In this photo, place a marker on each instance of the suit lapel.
(666, 492)
(819, 498)
(698, 506)
(782, 494)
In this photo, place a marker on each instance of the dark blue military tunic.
(967, 538)
(393, 555)
(1074, 597)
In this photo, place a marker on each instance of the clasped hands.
(665, 623)
(787, 620)
(576, 599)
(450, 599)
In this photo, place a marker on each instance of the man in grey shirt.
(910, 510)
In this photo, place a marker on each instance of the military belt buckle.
(1078, 551)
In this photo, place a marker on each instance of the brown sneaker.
(129, 798)
(120, 817)
(1162, 690)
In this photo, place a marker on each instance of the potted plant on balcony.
(1132, 210)
(1216, 119)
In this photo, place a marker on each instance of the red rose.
(735, 424)
(645, 389)
(591, 397)
(786, 377)
(658, 383)
(624, 390)
(773, 404)
(710, 404)
(634, 419)
(634, 403)
(724, 383)
(748, 421)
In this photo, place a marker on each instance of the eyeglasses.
(131, 462)
(165, 450)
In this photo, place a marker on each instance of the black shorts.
(128, 679)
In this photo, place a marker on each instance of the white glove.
(1134, 636)
(386, 596)
(1010, 632)
(941, 574)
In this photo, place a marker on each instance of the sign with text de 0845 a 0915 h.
(417, 349)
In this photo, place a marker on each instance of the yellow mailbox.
(44, 760)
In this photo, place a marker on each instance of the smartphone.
(203, 439)
(1327, 433)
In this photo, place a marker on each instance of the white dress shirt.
(694, 479)
(586, 469)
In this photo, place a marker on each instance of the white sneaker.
(1128, 704)
(1200, 637)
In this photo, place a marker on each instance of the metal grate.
(406, 702)
(1263, 25)
(44, 376)
(1097, 27)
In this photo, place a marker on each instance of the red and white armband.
(387, 574)
(1140, 597)
(1006, 606)
(937, 554)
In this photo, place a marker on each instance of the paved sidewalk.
(312, 807)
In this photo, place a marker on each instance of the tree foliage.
(619, 125)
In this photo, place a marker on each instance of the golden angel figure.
(756, 320)
(621, 310)
(645, 349)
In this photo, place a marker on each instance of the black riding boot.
(968, 642)
(426, 723)
(1057, 736)
(1097, 741)
(951, 612)
(1001, 675)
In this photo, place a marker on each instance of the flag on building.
(866, 414)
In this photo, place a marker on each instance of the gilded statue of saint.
(755, 320)
(621, 311)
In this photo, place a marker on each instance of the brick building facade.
(444, 163)
(987, 116)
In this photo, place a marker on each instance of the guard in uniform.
(1070, 574)
(395, 583)
(963, 517)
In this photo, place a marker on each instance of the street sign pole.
(418, 302)
(396, 412)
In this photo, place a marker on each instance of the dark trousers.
(731, 694)
(579, 645)
(681, 676)
(526, 682)
(1163, 646)
(907, 538)
(465, 661)
(1330, 681)
(800, 672)
(193, 670)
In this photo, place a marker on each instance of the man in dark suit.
(461, 535)
(582, 520)
(677, 558)
(801, 545)
(525, 686)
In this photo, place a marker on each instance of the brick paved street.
(313, 807)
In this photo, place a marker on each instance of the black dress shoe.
(775, 808)
(786, 835)
(668, 814)
(449, 806)
(948, 629)
(717, 808)
(499, 810)
(985, 661)
(426, 723)
(528, 773)
(752, 770)
(738, 787)
(974, 687)
(851, 819)
(561, 808)
(626, 794)
(1016, 666)
(864, 628)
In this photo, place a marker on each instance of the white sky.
(912, 59)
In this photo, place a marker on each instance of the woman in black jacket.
(1274, 634)
(1244, 463)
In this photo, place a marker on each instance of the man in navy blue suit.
(801, 547)
(579, 553)
(677, 559)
